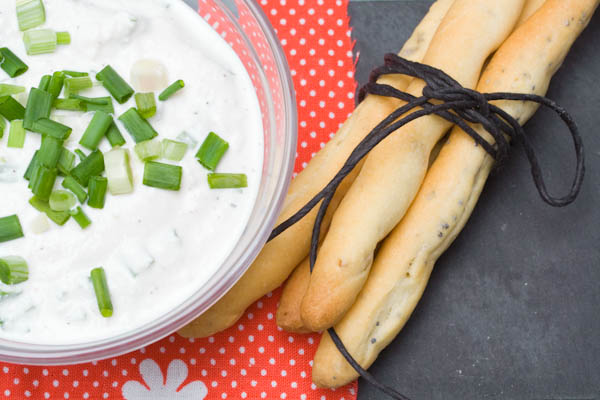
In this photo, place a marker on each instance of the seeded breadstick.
(394, 170)
(524, 64)
(280, 256)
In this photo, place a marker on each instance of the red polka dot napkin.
(253, 359)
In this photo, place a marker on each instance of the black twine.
(460, 106)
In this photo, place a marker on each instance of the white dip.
(156, 246)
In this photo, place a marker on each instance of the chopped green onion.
(114, 136)
(92, 165)
(16, 134)
(163, 176)
(116, 86)
(42, 181)
(173, 150)
(212, 150)
(187, 139)
(97, 189)
(44, 82)
(96, 103)
(10, 228)
(61, 200)
(65, 162)
(58, 217)
(96, 130)
(13, 270)
(48, 127)
(137, 126)
(39, 105)
(40, 41)
(2, 126)
(50, 151)
(7, 89)
(69, 105)
(32, 164)
(75, 74)
(78, 190)
(82, 156)
(148, 149)
(11, 109)
(80, 217)
(227, 181)
(56, 84)
(171, 90)
(118, 171)
(75, 85)
(98, 277)
(11, 64)
(63, 38)
(146, 104)
(30, 13)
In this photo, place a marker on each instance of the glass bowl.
(244, 26)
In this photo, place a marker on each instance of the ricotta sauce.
(157, 246)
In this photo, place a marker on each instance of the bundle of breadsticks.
(407, 199)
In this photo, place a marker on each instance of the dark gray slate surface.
(512, 310)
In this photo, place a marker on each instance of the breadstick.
(524, 64)
(394, 170)
(288, 313)
(280, 256)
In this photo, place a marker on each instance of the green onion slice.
(118, 171)
(97, 188)
(45, 82)
(58, 217)
(32, 164)
(162, 176)
(96, 130)
(173, 150)
(16, 134)
(171, 90)
(69, 105)
(11, 64)
(74, 186)
(48, 127)
(57, 82)
(40, 41)
(116, 86)
(2, 126)
(148, 149)
(212, 150)
(13, 270)
(227, 181)
(50, 151)
(75, 74)
(8, 90)
(146, 104)
(10, 228)
(82, 156)
(92, 165)
(75, 85)
(98, 277)
(139, 129)
(66, 161)
(96, 103)
(63, 38)
(79, 216)
(114, 136)
(61, 200)
(30, 14)
(39, 105)
(42, 181)
(11, 109)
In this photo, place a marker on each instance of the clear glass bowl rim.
(32, 354)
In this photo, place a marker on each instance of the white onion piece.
(148, 76)
(118, 171)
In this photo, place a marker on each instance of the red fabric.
(253, 359)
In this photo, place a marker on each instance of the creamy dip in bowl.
(167, 255)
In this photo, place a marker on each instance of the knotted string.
(446, 98)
